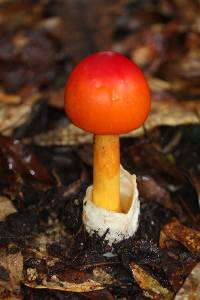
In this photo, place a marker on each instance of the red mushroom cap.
(107, 93)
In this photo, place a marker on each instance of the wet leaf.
(174, 230)
(22, 160)
(150, 286)
(150, 190)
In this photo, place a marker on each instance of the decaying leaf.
(173, 113)
(6, 208)
(23, 161)
(12, 264)
(174, 230)
(99, 295)
(9, 98)
(191, 287)
(17, 14)
(102, 276)
(150, 286)
(12, 116)
(56, 284)
(150, 190)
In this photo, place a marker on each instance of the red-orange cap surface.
(107, 93)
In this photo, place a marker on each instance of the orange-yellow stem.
(106, 172)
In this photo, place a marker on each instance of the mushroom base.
(117, 226)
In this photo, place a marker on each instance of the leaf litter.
(45, 163)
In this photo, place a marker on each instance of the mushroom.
(106, 94)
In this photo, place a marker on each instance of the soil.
(44, 170)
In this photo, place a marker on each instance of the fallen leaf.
(150, 190)
(99, 295)
(9, 98)
(56, 284)
(150, 286)
(22, 160)
(13, 266)
(6, 208)
(102, 276)
(12, 116)
(191, 287)
(174, 230)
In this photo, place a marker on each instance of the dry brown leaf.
(150, 286)
(9, 98)
(174, 230)
(56, 97)
(191, 287)
(56, 284)
(102, 276)
(165, 112)
(12, 116)
(6, 208)
(12, 264)
(15, 14)
(173, 113)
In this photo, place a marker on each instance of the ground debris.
(150, 286)
(40, 42)
(150, 190)
(11, 269)
(99, 295)
(7, 208)
(174, 230)
(191, 287)
(74, 282)
(22, 160)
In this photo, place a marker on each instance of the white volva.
(118, 226)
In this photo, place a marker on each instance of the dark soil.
(46, 181)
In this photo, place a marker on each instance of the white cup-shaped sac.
(117, 226)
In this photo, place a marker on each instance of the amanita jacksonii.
(107, 95)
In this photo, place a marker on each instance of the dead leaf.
(67, 135)
(150, 190)
(150, 286)
(102, 276)
(99, 295)
(55, 284)
(12, 116)
(157, 160)
(174, 230)
(13, 266)
(9, 98)
(173, 113)
(22, 160)
(6, 208)
(191, 287)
